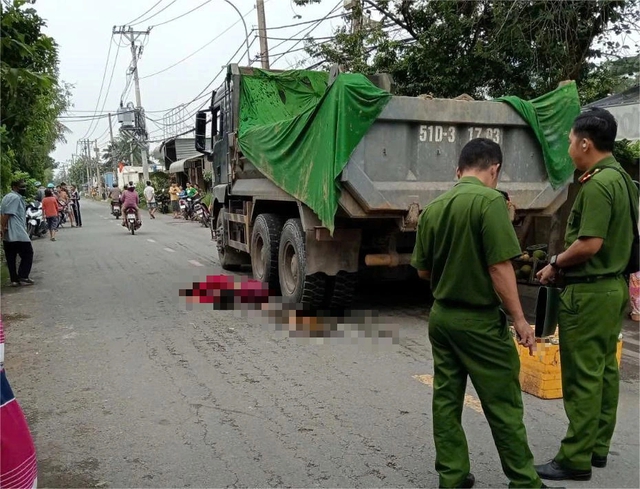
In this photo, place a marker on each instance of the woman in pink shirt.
(130, 200)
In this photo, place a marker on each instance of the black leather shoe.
(469, 481)
(555, 472)
(598, 461)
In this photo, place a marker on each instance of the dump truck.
(406, 157)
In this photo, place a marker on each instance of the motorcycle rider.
(115, 195)
(40, 192)
(130, 200)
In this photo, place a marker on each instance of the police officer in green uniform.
(598, 243)
(464, 245)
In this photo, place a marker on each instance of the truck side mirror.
(201, 131)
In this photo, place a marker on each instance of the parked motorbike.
(116, 208)
(62, 213)
(163, 200)
(131, 222)
(36, 223)
(201, 211)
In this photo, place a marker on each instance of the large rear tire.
(341, 290)
(296, 286)
(230, 259)
(265, 246)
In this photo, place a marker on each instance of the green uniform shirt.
(601, 210)
(460, 234)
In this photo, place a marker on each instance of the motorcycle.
(62, 213)
(163, 200)
(201, 211)
(116, 208)
(36, 223)
(131, 222)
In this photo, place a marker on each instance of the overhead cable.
(145, 13)
(199, 49)
(180, 16)
(152, 16)
(302, 23)
(104, 76)
(309, 32)
(104, 102)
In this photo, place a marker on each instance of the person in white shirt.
(150, 197)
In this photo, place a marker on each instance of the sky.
(83, 31)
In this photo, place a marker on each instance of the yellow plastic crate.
(540, 374)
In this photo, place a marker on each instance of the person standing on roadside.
(51, 210)
(150, 197)
(174, 192)
(464, 246)
(75, 201)
(15, 238)
(598, 243)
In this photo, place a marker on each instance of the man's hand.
(526, 335)
(546, 275)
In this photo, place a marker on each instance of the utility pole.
(262, 34)
(98, 177)
(113, 156)
(136, 51)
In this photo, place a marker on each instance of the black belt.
(590, 279)
(449, 304)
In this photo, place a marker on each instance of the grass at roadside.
(4, 275)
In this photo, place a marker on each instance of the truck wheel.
(296, 286)
(265, 245)
(229, 257)
(341, 290)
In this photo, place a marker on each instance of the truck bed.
(411, 152)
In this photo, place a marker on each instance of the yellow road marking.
(469, 401)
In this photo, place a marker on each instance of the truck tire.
(341, 290)
(265, 246)
(295, 285)
(230, 259)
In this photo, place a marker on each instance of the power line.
(199, 49)
(200, 95)
(309, 31)
(104, 102)
(145, 13)
(303, 23)
(158, 12)
(180, 16)
(104, 76)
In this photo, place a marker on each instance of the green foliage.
(485, 48)
(609, 78)
(628, 155)
(121, 150)
(32, 94)
(206, 200)
(159, 180)
(31, 183)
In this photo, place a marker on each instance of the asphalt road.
(123, 387)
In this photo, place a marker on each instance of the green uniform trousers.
(477, 343)
(589, 322)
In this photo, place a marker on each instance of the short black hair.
(149, 182)
(48, 193)
(599, 126)
(18, 183)
(480, 153)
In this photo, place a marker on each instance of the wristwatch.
(553, 263)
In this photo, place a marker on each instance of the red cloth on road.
(18, 466)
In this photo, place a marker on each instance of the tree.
(485, 48)
(32, 94)
(609, 78)
(121, 149)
